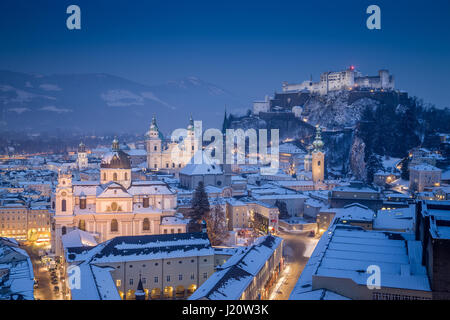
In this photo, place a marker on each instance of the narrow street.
(297, 250)
(44, 291)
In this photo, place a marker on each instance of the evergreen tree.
(405, 169)
(199, 207)
(216, 225)
(373, 164)
(281, 205)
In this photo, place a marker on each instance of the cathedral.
(114, 206)
(172, 156)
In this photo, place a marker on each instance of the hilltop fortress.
(343, 80)
(295, 95)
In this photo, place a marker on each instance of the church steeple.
(154, 130)
(115, 145)
(191, 124)
(318, 143)
(140, 293)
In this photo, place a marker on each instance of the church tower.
(116, 166)
(307, 161)
(190, 140)
(318, 157)
(63, 203)
(63, 219)
(154, 146)
(82, 160)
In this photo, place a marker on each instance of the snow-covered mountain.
(106, 103)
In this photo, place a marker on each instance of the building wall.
(354, 291)
(161, 274)
(420, 179)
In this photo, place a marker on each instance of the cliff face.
(334, 111)
(357, 164)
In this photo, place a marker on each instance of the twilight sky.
(247, 47)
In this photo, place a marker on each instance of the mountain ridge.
(100, 102)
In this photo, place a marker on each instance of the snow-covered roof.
(137, 152)
(78, 238)
(425, 167)
(148, 247)
(173, 221)
(235, 275)
(96, 283)
(201, 164)
(114, 190)
(345, 252)
(17, 277)
(395, 219)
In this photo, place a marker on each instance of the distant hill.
(97, 103)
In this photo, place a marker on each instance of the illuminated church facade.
(114, 206)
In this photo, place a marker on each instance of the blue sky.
(247, 47)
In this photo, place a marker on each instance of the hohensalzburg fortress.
(343, 80)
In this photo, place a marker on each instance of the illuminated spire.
(191, 123)
(115, 144)
(318, 143)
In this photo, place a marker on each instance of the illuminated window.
(118, 282)
(114, 225)
(146, 224)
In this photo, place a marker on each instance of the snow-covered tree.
(199, 207)
(281, 205)
(216, 225)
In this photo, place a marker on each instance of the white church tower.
(154, 146)
(64, 205)
(318, 157)
(82, 159)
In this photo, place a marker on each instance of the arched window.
(114, 176)
(63, 230)
(82, 225)
(114, 225)
(63, 205)
(155, 148)
(82, 203)
(155, 166)
(146, 224)
(318, 163)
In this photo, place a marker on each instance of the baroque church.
(114, 206)
(173, 155)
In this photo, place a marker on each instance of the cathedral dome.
(116, 159)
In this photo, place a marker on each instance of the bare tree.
(216, 225)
